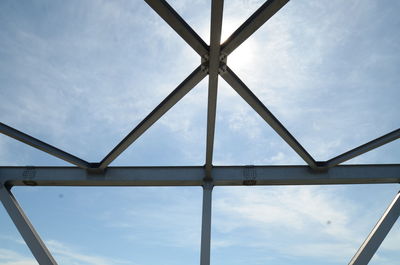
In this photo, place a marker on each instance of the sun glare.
(245, 53)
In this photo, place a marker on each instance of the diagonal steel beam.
(179, 25)
(378, 234)
(252, 24)
(191, 81)
(387, 138)
(214, 59)
(29, 140)
(234, 81)
(26, 229)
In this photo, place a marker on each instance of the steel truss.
(213, 64)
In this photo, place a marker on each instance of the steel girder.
(196, 176)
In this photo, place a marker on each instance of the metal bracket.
(223, 59)
(320, 167)
(249, 175)
(208, 185)
(95, 169)
(29, 175)
(205, 63)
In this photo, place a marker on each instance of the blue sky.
(81, 74)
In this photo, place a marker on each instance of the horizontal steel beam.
(29, 140)
(173, 19)
(387, 138)
(252, 24)
(234, 81)
(190, 82)
(194, 176)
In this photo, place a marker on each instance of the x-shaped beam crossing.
(214, 62)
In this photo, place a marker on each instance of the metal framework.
(213, 64)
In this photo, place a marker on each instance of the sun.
(245, 54)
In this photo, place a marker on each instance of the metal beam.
(387, 138)
(191, 81)
(252, 24)
(205, 248)
(378, 234)
(179, 25)
(237, 84)
(214, 59)
(25, 228)
(194, 176)
(29, 140)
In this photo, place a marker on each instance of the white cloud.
(61, 252)
(325, 251)
(307, 221)
(299, 207)
(69, 255)
(166, 217)
(10, 257)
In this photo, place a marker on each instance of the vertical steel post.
(24, 226)
(206, 224)
(378, 234)
(217, 7)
